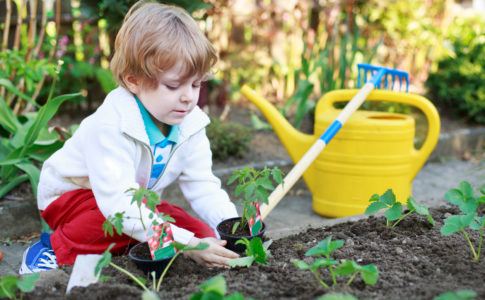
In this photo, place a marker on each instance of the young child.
(147, 133)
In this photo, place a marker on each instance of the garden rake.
(378, 76)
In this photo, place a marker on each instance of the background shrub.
(458, 82)
(228, 139)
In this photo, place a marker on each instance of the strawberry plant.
(254, 186)
(394, 210)
(323, 251)
(139, 196)
(215, 289)
(256, 251)
(10, 285)
(469, 218)
(106, 260)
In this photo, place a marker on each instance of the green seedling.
(106, 260)
(139, 196)
(457, 295)
(323, 251)
(469, 218)
(394, 210)
(337, 296)
(215, 289)
(10, 285)
(254, 186)
(256, 251)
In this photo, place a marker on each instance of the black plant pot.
(140, 255)
(224, 231)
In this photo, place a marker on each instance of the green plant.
(10, 285)
(26, 140)
(457, 295)
(470, 217)
(256, 251)
(323, 251)
(254, 186)
(228, 140)
(139, 196)
(457, 83)
(337, 296)
(106, 260)
(215, 288)
(394, 210)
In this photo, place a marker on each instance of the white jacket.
(110, 153)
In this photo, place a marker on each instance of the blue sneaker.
(39, 257)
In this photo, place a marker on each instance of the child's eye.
(196, 84)
(172, 88)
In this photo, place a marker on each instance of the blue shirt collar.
(155, 136)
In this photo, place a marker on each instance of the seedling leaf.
(27, 282)
(215, 284)
(456, 223)
(388, 198)
(245, 261)
(337, 296)
(149, 295)
(457, 295)
(369, 274)
(420, 209)
(374, 207)
(467, 189)
(104, 261)
(394, 213)
(325, 247)
(300, 264)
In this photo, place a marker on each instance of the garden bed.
(414, 262)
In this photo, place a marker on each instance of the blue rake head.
(381, 76)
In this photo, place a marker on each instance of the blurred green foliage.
(458, 81)
(228, 139)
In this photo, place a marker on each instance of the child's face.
(172, 100)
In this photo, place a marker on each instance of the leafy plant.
(256, 251)
(26, 140)
(254, 187)
(457, 295)
(470, 217)
(457, 83)
(228, 139)
(139, 196)
(215, 289)
(394, 209)
(106, 260)
(323, 251)
(10, 285)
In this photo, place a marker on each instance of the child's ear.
(132, 83)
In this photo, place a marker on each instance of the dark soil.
(241, 231)
(414, 262)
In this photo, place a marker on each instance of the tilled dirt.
(414, 262)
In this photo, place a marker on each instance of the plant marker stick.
(327, 136)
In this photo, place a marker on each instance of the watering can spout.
(295, 142)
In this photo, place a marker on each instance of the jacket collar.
(131, 120)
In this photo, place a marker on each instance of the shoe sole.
(24, 269)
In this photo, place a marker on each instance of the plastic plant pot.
(140, 255)
(224, 230)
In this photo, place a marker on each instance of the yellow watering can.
(373, 152)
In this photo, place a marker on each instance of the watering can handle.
(420, 102)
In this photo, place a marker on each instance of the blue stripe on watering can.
(331, 131)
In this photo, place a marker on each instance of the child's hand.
(214, 256)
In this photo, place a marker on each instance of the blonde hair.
(153, 38)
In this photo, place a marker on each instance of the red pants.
(77, 224)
